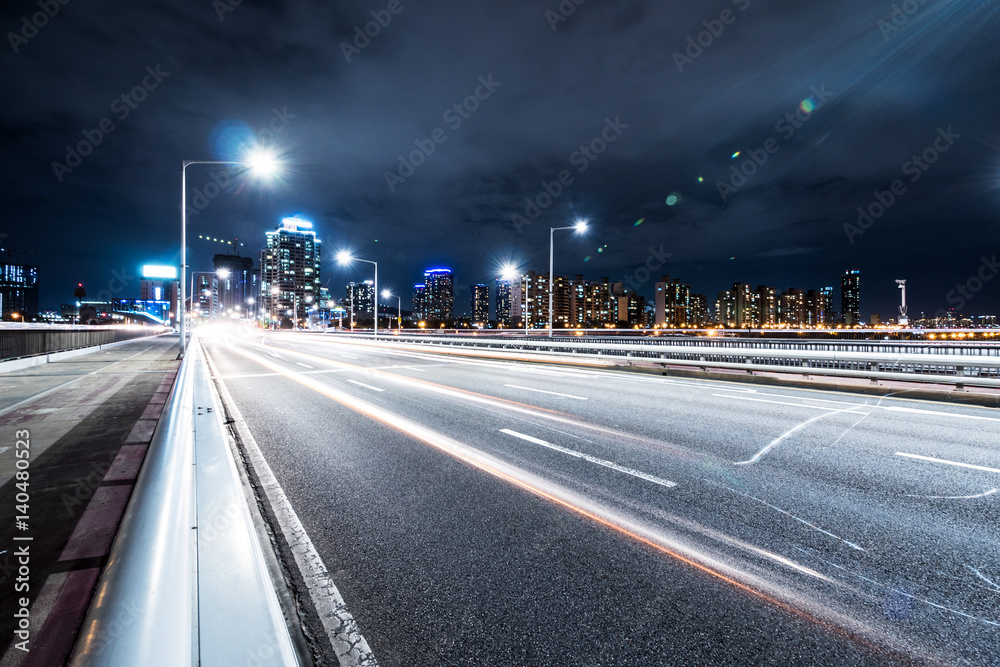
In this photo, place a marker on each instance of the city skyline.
(853, 151)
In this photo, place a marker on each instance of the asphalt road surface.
(483, 512)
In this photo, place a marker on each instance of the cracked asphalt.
(476, 512)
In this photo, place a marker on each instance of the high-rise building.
(792, 308)
(815, 309)
(503, 302)
(205, 297)
(420, 301)
(739, 307)
(237, 282)
(767, 311)
(18, 291)
(850, 296)
(440, 295)
(699, 310)
(481, 304)
(591, 303)
(361, 297)
(290, 269)
(629, 309)
(531, 301)
(829, 314)
(561, 302)
(671, 303)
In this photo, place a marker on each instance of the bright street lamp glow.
(508, 272)
(344, 257)
(222, 273)
(262, 163)
(386, 293)
(580, 226)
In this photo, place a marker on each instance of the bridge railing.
(30, 342)
(974, 364)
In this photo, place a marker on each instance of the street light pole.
(579, 227)
(386, 294)
(258, 161)
(345, 257)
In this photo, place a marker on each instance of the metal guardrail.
(19, 343)
(973, 364)
(185, 582)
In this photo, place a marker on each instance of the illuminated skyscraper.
(237, 282)
(480, 304)
(503, 302)
(420, 301)
(361, 296)
(850, 296)
(290, 268)
(18, 291)
(440, 295)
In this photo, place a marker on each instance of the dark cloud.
(892, 89)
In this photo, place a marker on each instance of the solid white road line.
(797, 405)
(945, 461)
(592, 459)
(542, 391)
(302, 364)
(975, 495)
(366, 386)
(938, 413)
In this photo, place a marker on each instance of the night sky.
(832, 99)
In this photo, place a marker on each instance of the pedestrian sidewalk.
(87, 422)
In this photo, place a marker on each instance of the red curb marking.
(158, 399)
(126, 465)
(54, 640)
(152, 411)
(96, 528)
(142, 432)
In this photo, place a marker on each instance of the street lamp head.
(344, 257)
(222, 273)
(508, 272)
(275, 290)
(386, 293)
(580, 226)
(262, 163)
